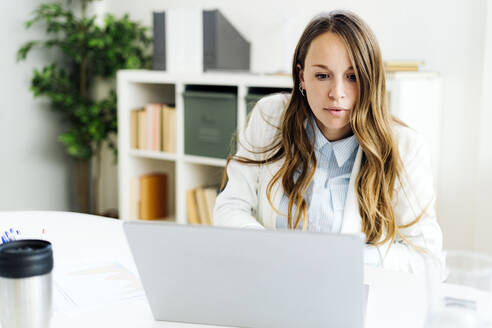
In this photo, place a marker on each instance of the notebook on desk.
(249, 278)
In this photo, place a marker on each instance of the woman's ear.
(300, 73)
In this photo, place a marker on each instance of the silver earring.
(301, 90)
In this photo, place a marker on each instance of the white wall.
(34, 172)
(484, 164)
(447, 35)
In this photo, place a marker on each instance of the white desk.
(395, 299)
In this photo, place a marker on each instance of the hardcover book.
(153, 196)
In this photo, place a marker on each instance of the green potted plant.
(89, 52)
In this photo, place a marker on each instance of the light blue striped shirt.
(327, 192)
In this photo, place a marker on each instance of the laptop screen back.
(249, 278)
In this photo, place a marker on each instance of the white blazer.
(244, 204)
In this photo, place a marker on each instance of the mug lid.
(25, 258)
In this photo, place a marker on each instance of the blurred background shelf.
(415, 97)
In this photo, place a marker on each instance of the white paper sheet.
(84, 286)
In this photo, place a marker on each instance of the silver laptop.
(249, 278)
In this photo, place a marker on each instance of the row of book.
(200, 204)
(153, 128)
(402, 65)
(389, 66)
(149, 197)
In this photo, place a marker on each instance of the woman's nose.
(336, 91)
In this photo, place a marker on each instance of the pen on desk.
(12, 235)
(5, 237)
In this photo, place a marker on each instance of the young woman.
(329, 157)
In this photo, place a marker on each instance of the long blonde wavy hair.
(371, 123)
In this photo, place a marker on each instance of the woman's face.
(330, 86)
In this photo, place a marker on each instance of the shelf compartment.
(210, 118)
(142, 166)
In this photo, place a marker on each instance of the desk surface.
(395, 299)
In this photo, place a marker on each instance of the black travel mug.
(26, 284)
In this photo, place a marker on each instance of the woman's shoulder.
(275, 99)
(264, 123)
(268, 111)
(273, 106)
(410, 141)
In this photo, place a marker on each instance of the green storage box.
(210, 122)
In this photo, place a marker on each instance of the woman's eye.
(321, 76)
(351, 77)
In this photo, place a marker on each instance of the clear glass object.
(461, 295)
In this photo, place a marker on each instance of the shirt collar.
(342, 149)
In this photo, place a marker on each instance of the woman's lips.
(336, 111)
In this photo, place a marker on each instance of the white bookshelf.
(414, 96)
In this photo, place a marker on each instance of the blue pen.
(4, 240)
(12, 234)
